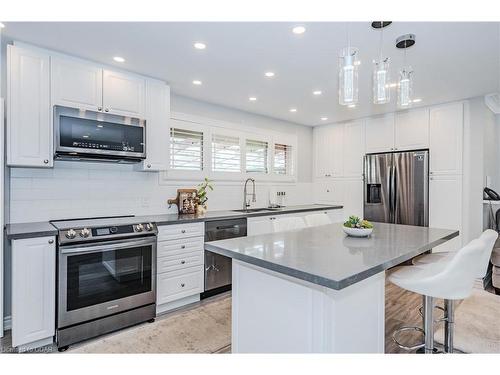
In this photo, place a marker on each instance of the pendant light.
(380, 77)
(405, 84)
(348, 74)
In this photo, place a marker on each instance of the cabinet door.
(354, 148)
(445, 207)
(123, 94)
(260, 225)
(446, 139)
(157, 126)
(322, 151)
(353, 197)
(76, 84)
(33, 290)
(29, 119)
(412, 129)
(329, 192)
(336, 150)
(380, 134)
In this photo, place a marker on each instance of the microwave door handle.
(101, 248)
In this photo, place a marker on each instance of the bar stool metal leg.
(449, 325)
(429, 324)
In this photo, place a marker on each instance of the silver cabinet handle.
(432, 178)
(183, 262)
(106, 110)
(149, 165)
(183, 246)
(99, 108)
(182, 285)
(46, 161)
(51, 241)
(183, 231)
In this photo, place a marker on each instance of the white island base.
(276, 313)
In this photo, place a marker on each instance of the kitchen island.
(316, 290)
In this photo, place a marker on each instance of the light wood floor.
(401, 309)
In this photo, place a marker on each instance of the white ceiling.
(450, 60)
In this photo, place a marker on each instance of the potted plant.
(201, 196)
(357, 228)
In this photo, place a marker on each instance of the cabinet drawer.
(179, 261)
(170, 232)
(179, 247)
(175, 285)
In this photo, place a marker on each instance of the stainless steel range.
(106, 276)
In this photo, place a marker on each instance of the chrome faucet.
(246, 204)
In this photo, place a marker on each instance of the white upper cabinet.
(157, 126)
(380, 133)
(411, 130)
(353, 148)
(29, 118)
(446, 139)
(76, 84)
(328, 150)
(123, 94)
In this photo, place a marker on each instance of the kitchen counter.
(315, 290)
(39, 229)
(324, 255)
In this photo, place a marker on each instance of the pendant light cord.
(381, 40)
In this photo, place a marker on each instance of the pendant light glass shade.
(348, 76)
(405, 88)
(381, 89)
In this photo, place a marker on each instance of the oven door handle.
(108, 247)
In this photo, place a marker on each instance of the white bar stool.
(450, 280)
(283, 224)
(488, 237)
(314, 220)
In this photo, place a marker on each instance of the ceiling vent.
(492, 101)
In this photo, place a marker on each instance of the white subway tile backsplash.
(73, 190)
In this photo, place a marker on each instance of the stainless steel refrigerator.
(397, 187)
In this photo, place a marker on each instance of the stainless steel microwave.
(94, 136)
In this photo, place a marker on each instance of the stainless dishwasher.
(218, 267)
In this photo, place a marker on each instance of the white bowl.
(357, 232)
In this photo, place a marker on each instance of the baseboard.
(167, 307)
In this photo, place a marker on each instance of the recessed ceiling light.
(357, 62)
(351, 106)
(293, 109)
(299, 30)
(119, 59)
(317, 92)
(199, 45)
(392, 85)
(269, 74)
(324, 118)
(252, 98)
(418, 100)
(197, 82)
(1, 25)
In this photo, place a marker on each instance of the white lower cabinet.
(33, 292)
(445, 207)
(179, 265)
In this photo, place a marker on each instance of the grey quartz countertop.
(324, 255)
(39, 229)
(29, 230)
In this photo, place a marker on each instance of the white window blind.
(226, 153)
(282, 159)
(256, 156)
(186, 149)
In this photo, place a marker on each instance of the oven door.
(101, 279)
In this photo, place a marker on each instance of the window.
(282, 159)
(256, 156)
(186, 149)
(226, 153)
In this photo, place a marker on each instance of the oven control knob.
(85, 233)
(149, 227)
(139, 228)
(71, 234)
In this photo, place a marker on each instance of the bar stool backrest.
(489, 238)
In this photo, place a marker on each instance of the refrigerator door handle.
(392, 194)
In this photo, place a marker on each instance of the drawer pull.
(183, 231)
(183, 246)
(183, 261)
(182, 285)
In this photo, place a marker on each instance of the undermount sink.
(249, 210)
